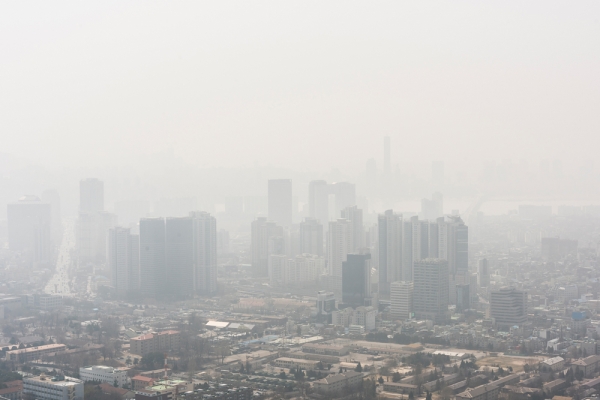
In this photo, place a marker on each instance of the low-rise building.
(337, 383)
(286, 362)
(55, 388)
(139, 382)
(13, 390)
(325, 349)
(104, 374)
(588, 365)
(397, 387)
(483, 392)
(553, 364)
(33, 353)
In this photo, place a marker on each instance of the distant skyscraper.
(463, 297)
(356, 280)
(280, 201)
(431, 289)
(390, 250)
(261, 233)
(453, 241)
(91, 195)
(153, 268)
(29, 229)
(483, 273)
(311, 237)
(205, 252)
(401, 300)
(508, 307)
(355, 216)
(338, 243)
(123, 260)
(178, 256)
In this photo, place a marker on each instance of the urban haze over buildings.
(299, 200)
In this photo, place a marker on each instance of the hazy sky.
(307, 84)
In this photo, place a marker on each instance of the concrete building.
(401, 299)
(356, 280)
(430, 299)
(29, 223)
(554, 364)
(280, 201)
(336, 384)
(53, 388)
(484, 392)
(390, 230)
(104, 374)
(33, 353)
(508, 307)
(483, 273)
(262, 233)
(154, 342)
(286, 362)
(122, 260)
(311, 237)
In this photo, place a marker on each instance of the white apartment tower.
(401, 296)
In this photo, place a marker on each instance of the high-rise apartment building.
(29, 229)
(390, 232)
(401, 300)
(318, 201)
(179, 254)
(123, 260)
(311, 237)
(453, 241)
(261, 233)
(91, 195)
(205, 252)
(153, 263)
(508, 307)
(338, 243)
(280, 201)
(356, 280)
(355, 216)
(430, 299)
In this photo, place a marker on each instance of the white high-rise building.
(508, 307)
(390, 234)
(355, 216)
(262, 232)
(401, 297)
(430, 295)
(123, 260)
(205, 252)
(311, 237)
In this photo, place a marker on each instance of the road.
(60, 282)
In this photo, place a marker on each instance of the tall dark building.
(356, 280)
(280, 201)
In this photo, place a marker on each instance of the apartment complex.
(154, 342)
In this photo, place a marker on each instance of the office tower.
(280, 201)
(508, 307)
(463, 297)
(437, 174)
(261, 232)
(387, 160)
(123, 260)
(338, 243)
(91, 195)
(311, 237)
(430, 300)
(205, 252)
(432, 209)
(318, 201)
(407, 251)
(453, 241)
(356, 280)
(92, 230)
(29, 229)
(355, 216)
(483, 273)
(390, 227)
(153, 273)
(433, 245)
(401, 300)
